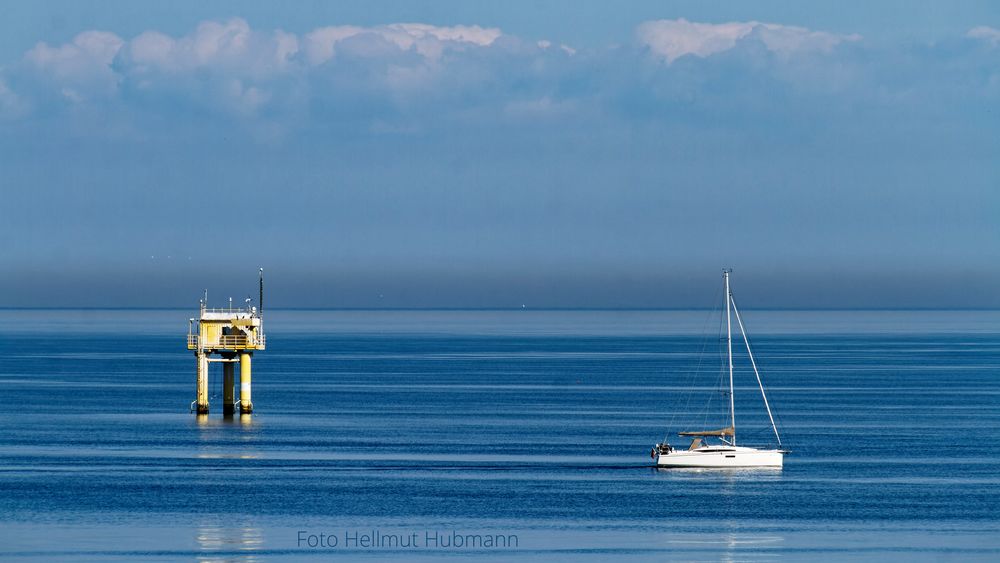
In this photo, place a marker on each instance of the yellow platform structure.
(233, 335)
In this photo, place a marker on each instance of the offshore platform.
(227, 336)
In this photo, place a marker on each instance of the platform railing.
(229, 341)
(227, 310)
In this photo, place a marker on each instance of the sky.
(473, 154)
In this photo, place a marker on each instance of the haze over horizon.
(836, 155)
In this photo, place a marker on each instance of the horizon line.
(552, 309)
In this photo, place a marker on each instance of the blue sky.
(465, 154)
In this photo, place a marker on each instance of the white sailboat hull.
(735, 457)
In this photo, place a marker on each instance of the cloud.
(228, 67)
(80, 69)
(319, 44)
(230, 45)
(234, 44)
(408, 76)
(672, 39)
(89, 47)
(985, 33)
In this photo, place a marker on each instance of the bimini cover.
(720, 432)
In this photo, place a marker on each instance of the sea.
(500, 435)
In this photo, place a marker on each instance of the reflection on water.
(217, 436)
(204, 420)
(228, 545)
(731, 547)
(720, 474)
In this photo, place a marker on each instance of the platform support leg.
(202, 393)
(246, 405)
(228, 385)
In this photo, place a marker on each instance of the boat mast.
(729, 346)
(755, 372)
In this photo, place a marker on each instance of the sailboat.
(723, 452)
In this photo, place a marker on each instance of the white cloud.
(472, 34)
(409, 72)
(985, 33)
(672, 39)
(546, 44)
(675, 38)
(428, 40)
(88, 47)
(152, 49)
(319, 44)
(786, 39)
(81, 65)
(231, 45)
(229, 66)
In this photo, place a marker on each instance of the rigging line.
(777, 418)
(689, 386)
(755, 372)
(716, 389)
(778, 421)
(701, 358)
(722, 411)
(721, 389)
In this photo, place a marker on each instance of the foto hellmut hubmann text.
(429, 539)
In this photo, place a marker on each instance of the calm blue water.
(534, 425)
